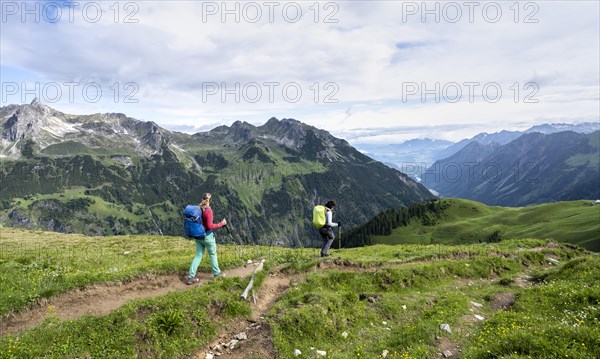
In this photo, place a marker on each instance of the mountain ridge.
(416, 160)
(112, 174)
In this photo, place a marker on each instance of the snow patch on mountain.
(58, 128)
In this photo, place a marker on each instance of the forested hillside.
(107, 174)
(459, 221)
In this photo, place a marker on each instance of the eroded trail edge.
(252, 338)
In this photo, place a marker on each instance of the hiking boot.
(325, 254)
(192, 280)
(220, 275)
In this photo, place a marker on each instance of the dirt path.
(101, 299)
(502, 300)
(249, 339)
(257, 337)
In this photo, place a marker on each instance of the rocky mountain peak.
(289, 132)
(151, 134)
(241, 131)
(116, 116)
(272, 122)
(240, 124)
(291, 121)
(24, 121)
(47, 126)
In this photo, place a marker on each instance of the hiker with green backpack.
(323, 221)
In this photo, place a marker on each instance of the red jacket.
(207, 220)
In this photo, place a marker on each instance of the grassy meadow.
(466, 221)
(535, 298)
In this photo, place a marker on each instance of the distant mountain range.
(406, 156)
(108, 173)
(413, 157)
(534, 168)
(586, 127)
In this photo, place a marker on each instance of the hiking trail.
(258, 339)
(100, 299)
(251, 337)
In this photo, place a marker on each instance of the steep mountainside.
(110, 174)
(534, 168)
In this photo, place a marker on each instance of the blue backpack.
(193, 222)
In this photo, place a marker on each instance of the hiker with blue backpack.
(199, 226)
(323, 221)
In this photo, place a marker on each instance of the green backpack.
(319, 216)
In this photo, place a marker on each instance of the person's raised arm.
(329, 219)
(208, 220)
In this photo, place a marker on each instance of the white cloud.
(366, 61)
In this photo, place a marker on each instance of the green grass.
(136, 216)
(588, 159)
(252, 180)
(98, 149)
(171, 326)
(100, 207)
(83, 222)
(35, 265)
(560, 318)
(591, 160)
(383, 297)
(472, 222)
(400, 308)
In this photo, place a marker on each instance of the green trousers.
(210, 245)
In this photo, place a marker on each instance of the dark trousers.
(327, 236)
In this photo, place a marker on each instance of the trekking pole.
(340, 242)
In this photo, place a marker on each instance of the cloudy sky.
(367, 71)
